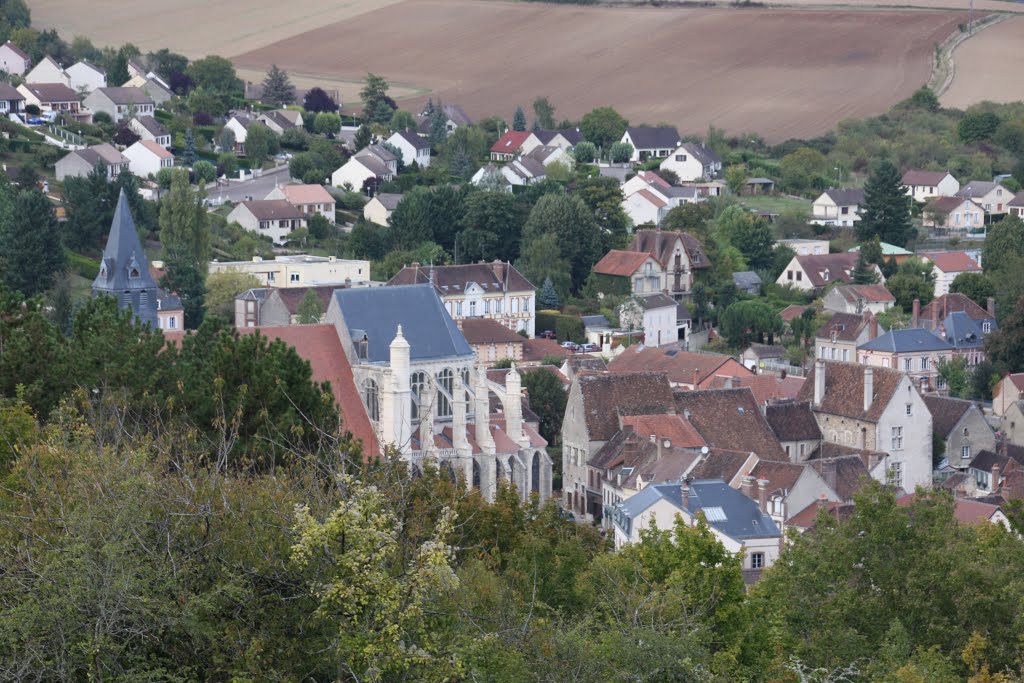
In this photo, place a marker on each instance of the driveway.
(239, 191)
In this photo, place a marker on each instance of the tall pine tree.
(31, 254)
(185, 237)
(277, 87)
(886, 207)
(548, 297)
(519, 120)
(188, 157)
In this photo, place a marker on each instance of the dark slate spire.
(124, 270)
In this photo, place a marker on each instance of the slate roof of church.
(426, 325)
(123, 252)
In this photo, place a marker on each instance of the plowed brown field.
(780, 73)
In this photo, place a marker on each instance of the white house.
(524, 171)
(13, 59)
(877, 410)
(148, 128)
(379, 209)
(738, 522)
(280, 120)
(650, 142)
(146, 157)
(659, 319)
(372, 162)
(992, 197)
(274, 218)
(84, 77)
(512, 144)
(47, 71)
(308, 199)
(81, 162)
(953, 214)
(838, 207)
(550, 154)
(645, 207)
(414, 149)
(647, 198)
(947, 265)
(491, 177)
(120, 103)
(819, 271)
(926, 185)
(238, 124)
(691, 161)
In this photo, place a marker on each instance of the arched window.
(418, 384)
(535, 472)
(448, 472)
(445, 392)
(371, 396)
(476, 474)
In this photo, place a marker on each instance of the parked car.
(588, 348)
(547, 334)
(569, 345)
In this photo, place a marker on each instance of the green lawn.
(774, 204)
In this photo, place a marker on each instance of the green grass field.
(776, 204)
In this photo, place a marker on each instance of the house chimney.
(747, 486)
(991, 307)
(658, 441)
(819, 382)
(996, 471)
(872, 326)
(696, 378)
(762, 494)
(935, 315)
(869, 387)
(685, 491)
(828, 473)
(915, 316)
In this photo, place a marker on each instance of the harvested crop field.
(988, 66)
(780, 73)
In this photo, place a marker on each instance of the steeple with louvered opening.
(124, 269)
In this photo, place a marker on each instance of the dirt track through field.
(778, 73)
(988, 66)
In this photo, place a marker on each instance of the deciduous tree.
(603, 126)
(317, 100)
(544, 113)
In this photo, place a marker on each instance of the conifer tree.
(31, 253)
(548, 297)
(188, 157)
(519, 120)
(886, 207)
(277, 87)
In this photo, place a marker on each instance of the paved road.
(257, 189)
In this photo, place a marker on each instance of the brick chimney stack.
(762, 494)
(747, 486)
(872, 326)
(935, 316)
(991, 307)
(996, 472)
(869, 387)
(915, 316)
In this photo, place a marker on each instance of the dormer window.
(133, 273)
(103, 272)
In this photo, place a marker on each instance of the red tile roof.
(488, 331)
(534, 350)
(966, 511)
(791, 312)
(510, 142)
(620, 263)
(852, 293)
(680, 366)
(661, 245)
(953, 303)
(652, 198)
(665, 426)
(808, 517)
(606, 397)
(844, 390)
(954, 262)
(766, 388)
(320, 346)
(730, 419)
(926, 178)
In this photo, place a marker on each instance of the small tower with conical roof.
(124, 270)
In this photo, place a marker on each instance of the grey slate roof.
(964, 332)
(10, 93)
(977, 188)
(413, 139)
(846, 197)
(155, 128)
(126, 96)
(123, 254)
(378, 311)
(648, 137)
(594, 321)
(907, 341)
(746, 279)
(726, 509)
(652, 301)
(702, 153)
(389, 200)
